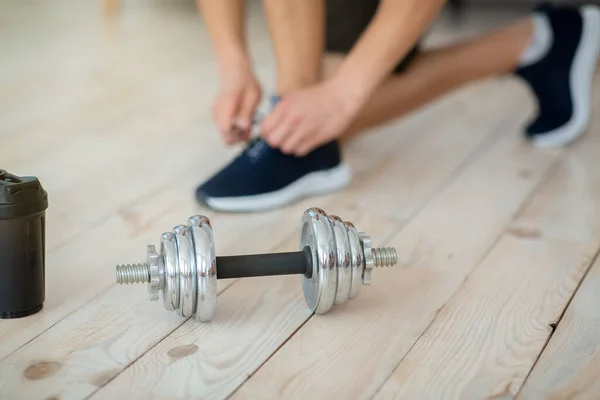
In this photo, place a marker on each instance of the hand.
(236, 103)
(310, 117)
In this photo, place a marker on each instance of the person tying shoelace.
(345, 66)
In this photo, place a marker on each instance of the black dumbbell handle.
(294, 263)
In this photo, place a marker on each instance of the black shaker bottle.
(23, 204)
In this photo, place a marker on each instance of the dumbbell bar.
(334, 261)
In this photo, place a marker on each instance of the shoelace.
(256, 149)
(256, 146)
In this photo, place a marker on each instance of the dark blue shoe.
(262, 178)
(562, 79)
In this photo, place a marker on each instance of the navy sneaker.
(263, 178)
(562, 79)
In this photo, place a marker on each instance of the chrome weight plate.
(187, 267)
(317, 233)
(168, 252)
(206, 268)
(357, 261)
(344, 273)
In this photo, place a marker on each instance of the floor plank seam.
(136, 359)
(115, 121)
(130, 364)
(550, 172)
(478, 152)
(99, 294)
(487, 142)
(132, 203)
(555, 325)
(593, 260)
(270, 356)
(413, 344)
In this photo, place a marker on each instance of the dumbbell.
(334, 260)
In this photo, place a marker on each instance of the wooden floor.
(498, 297)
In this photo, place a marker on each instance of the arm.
(391, 34)
(309, 117)
(240, 91)
(225, 23)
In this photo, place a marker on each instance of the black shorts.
(346, 21)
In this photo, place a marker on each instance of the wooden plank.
(568, 367)
(220, 365)
(487, 338)
(131, 346)
(352, 351)
(210, 360)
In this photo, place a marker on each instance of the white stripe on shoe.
(581, 81)
(312, 184)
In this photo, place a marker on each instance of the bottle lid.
(21, 196)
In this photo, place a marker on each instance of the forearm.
(225, 22)
(394, 30)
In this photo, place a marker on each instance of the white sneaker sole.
(581, 80)
(313, 184)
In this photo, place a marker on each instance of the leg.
(263, 178)
(296, 28)
(437, 72)
(555, 52)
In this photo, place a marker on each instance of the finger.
(273, 120)
(282, 132)
(246, 111)
(226, 114)
(296, 138)
(311, 140)
(306, 146)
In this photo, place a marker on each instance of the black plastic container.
(23, 204)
